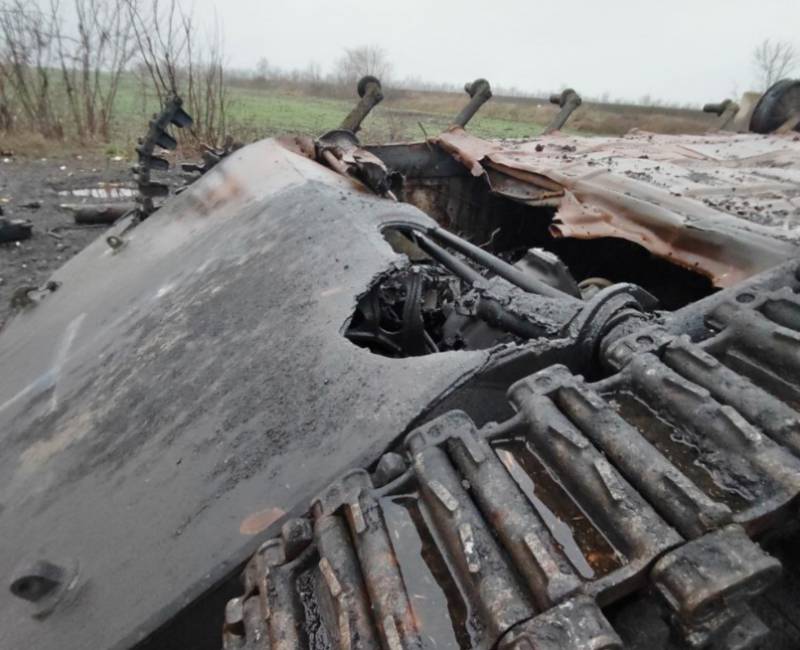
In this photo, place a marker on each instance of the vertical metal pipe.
(568, 100)
(371, 94)
(480, 92)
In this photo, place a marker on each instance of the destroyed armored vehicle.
(538, 394)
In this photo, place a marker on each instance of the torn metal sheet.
(726, 206)
(341, 151)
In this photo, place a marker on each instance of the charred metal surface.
(239, 274)
(720, 205)
(420, 438)
(417, 561)
(778, 109)
(655, 479)
(576, 623)
(568, 101)
(418, 160)
(526, 281)
(463, 298)
(708, 581)
(341, 151)
(211, 156)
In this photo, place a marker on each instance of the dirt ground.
(35, 189)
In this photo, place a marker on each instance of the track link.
(655, 480)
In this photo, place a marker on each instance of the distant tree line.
(63, 63)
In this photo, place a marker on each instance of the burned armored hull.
(625, 469)
(637, 494)
(452, 394)
(198, 363)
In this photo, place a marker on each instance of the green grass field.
(263, 113)
(257, 112)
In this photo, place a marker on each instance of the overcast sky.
(676, 50)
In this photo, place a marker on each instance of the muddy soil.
(35, 189)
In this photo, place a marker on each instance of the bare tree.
(774, 60)
(51, 74)
(26, 58)
(6, 117)
(93, 60)
(165, 36)
(364, 60)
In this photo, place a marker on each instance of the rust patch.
(725, 206)
(260, 521)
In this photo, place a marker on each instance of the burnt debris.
(12, 230)
(460, 299)
(523, 533)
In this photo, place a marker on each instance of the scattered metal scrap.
(93, 214)
(12, 230)
(211, 156)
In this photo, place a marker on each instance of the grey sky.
(677, 50)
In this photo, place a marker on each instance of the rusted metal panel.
(727, 206)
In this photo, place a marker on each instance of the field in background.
(259, 112)
(282, 108)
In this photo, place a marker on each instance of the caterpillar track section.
(158, 135)
(653, 484)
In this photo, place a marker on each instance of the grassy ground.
(257, 112)
(263, 113)
(407, 115)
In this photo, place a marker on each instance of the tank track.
(652, 484)
(172, 113)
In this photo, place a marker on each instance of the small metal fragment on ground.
(15, 230)
(99, 214)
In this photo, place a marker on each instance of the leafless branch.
(774, 60)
